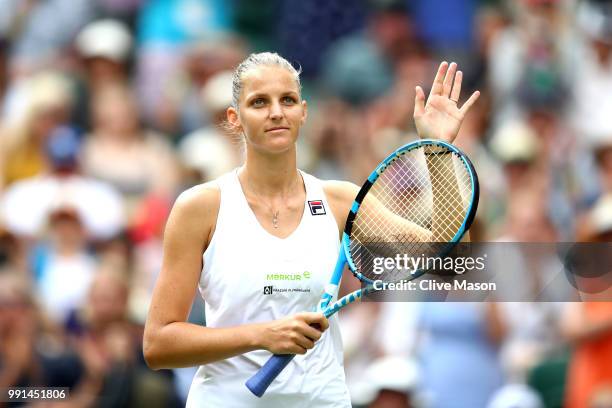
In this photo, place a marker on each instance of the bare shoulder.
(340, 195)
(199, 198)
(196, 209)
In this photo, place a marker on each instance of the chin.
(280, 148)
(278, 145)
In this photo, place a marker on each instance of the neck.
(268, 174)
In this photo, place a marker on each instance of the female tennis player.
(260, 244)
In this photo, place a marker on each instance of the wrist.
(435, 150)
(257, 337)
(439, 153)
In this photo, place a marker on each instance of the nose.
(276, 111)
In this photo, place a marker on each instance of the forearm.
(448, 209)
(181, 344)
(591, 331)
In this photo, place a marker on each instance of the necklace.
(275, 219)
(275, 213)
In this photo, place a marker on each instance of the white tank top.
(252, 276)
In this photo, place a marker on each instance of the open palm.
(440, 118)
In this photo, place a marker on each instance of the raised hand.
(440, 118)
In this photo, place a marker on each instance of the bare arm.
(577, 327)
(496, 327)
(440, 118)
(448, 208)
(341, 195)
(169, 341)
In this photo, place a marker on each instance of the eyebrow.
(265, 95)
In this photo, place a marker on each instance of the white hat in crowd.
(392, 373)
(601, 215)
(515, 141)
(515, 396)
(105, 38)
(217, 92)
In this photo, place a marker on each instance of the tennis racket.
(420, 200)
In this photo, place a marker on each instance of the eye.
(288, 100)
(258, 102)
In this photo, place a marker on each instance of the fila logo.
(316, 207)
(267, 290)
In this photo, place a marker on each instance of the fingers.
(304, 342)
(447, 82)
(290, 348)
(468, 104)
(299, 350)
(438, 83)
(296, 334)
(304, 335)
(323, 323)
(454, 96)
(315, 319)
(447, 85)
(419, 102)
(312, 332)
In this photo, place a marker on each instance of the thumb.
(419, 102)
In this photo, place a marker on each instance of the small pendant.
(275, 219)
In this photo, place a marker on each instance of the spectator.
(589, 327)
(26, 205)
(13, 255)
(596, 224)
(104, 48)
(515, 396)
(516, 147)
(142, 161)
(459, 357)
(63, 259)
(165, 30)
(109, 345)
(534, 55)
(41, 30)
(26, 358)
(593, 74)
(212, 150)
(181, 108)
(394, 381)
(36, 107)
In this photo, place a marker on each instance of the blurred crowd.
(110, 108)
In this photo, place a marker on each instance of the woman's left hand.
(440, 118)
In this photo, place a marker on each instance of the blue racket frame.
(259, 382)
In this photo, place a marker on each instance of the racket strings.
(401, 189)
(397, 214)
(453, 196)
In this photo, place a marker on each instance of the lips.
(277, 128)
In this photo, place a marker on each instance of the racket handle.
(259, 383)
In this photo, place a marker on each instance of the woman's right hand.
(294, 334)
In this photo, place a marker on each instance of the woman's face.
(271, 111)
(115, 112)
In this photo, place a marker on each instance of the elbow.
(150, 352)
